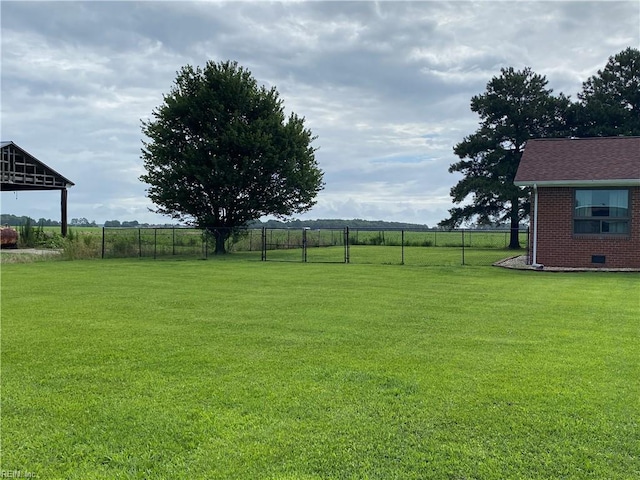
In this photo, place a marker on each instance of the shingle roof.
(580, 161)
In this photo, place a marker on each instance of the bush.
(81, 246)
(27, 235)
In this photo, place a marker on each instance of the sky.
(385, 86)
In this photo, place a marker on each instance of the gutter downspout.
(534, 260)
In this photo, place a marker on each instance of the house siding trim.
(631, 182)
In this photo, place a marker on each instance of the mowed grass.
(236, 369)
(392, 255)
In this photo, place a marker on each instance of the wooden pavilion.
(20, 171)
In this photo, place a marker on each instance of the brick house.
(585, 201)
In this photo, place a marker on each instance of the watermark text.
(17, 474)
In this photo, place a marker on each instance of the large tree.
(221, 152)
(516, 106)
(610, 100)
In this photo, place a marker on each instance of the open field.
(229, 368)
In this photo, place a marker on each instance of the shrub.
(27, 235)
(79, 246)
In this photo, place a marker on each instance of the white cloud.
(385, 85)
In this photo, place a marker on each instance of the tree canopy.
(221, 152)
(516, 106)
(609, 103)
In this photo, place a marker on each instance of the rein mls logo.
(16, 474)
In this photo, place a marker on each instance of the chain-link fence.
(343, 245)
(392, 246)
(155, 242)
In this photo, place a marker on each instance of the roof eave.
(623, 182)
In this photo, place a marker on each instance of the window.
(601, 211)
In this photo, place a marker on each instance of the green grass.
(395, 255)
(234, 369)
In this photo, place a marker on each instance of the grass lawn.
(125, 369)
(394, 255)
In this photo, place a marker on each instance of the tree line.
(334, 224)
(327, 223)
(16, 221)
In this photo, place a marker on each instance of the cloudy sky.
(384, 85)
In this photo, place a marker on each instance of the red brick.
(558, 246)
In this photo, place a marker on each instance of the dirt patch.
(27, 255)
(30, 251)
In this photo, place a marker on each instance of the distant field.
(92, 230)
(232, 369)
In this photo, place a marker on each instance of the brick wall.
(558, 246)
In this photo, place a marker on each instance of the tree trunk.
(220, 236)
(220, 240)
(514, 240)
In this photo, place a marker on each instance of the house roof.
(598, 161)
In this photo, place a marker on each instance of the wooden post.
(63, 211)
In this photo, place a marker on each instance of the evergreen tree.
(516, 106)
(610, 100)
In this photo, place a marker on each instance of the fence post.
(346, 244)
(402, 242)
(139, 242)
(462, 246)
(102, 242)
(155, 242)
(173, 241)
(304, 245)
(263, 246)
